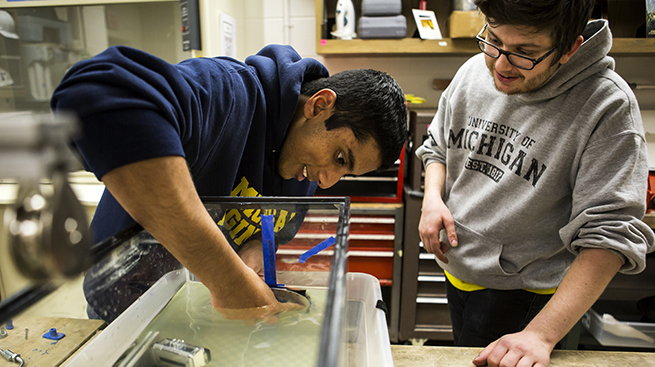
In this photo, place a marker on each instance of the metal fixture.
(49, 239)
(12, 357)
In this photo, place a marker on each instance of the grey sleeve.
(609, 201)
(434, 147)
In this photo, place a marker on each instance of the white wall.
(210, 23)
(289, 22)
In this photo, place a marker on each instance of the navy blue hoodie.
(227, 118)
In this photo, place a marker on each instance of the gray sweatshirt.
(533, 178)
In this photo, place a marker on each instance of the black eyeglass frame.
(482, 41)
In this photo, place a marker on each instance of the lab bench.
(26, 339)
(45, 353)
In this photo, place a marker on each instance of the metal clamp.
(12, 357)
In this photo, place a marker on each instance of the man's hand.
(435, 216)
(523, 349)
(269, 310)
(583, 283)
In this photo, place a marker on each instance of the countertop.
(426, 356)
(45, 353)
(37, 351)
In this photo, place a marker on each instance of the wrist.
(432, 194)
(547, 332)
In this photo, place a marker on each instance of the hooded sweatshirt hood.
(590, 59)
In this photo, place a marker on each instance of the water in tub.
(293, 341)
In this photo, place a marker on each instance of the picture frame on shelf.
(426, 23)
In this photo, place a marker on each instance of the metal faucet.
(12, 357)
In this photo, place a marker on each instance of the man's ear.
(322, 100)
(565, 58)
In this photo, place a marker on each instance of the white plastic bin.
(614, 333)
(367, 336)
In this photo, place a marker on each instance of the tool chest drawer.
(370, 243)
(374, 247)
(418, 133)
(432, 316)
(429, 285)
(424, 307)
(426, 262)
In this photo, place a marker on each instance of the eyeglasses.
(520, 61)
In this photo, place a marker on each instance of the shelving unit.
(451, 47)
(50, 3)
(443, 47)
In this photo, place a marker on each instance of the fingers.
(435, 219)
(508, 353)
(439, 250)
(430, 239)
(443, 247)
(449, 225)
(507, 358)
(481, 359)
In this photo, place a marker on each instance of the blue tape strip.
(316, 249)
(268, 244)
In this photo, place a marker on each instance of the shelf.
(34, 3)
(633, 47)
(459, 46)
(417, 46)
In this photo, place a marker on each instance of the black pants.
(481, 317)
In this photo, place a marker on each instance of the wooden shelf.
(633, 46)
(416, 46)
(459, 46)
(35, 3)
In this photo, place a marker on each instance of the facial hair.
(526, 84)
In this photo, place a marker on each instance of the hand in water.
(269, 314)
(248, 292)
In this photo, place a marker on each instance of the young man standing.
(159, 136)
(536, 174)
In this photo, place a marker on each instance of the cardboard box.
(465, 24)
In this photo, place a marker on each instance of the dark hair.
(565, 20)
(371, 104)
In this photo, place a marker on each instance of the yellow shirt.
(470, 287)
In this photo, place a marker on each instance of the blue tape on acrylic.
(268, 244)
(316, 249)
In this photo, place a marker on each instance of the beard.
(521, 84)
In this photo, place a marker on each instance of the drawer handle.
(424, 256)
(432, 300)
(331, 252)
(432, 278)
(353, 219)
(371, 237)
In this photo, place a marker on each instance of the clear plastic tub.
(614, 333)
(343, 327)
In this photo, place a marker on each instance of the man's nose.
(502, 63)
(328, 177)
